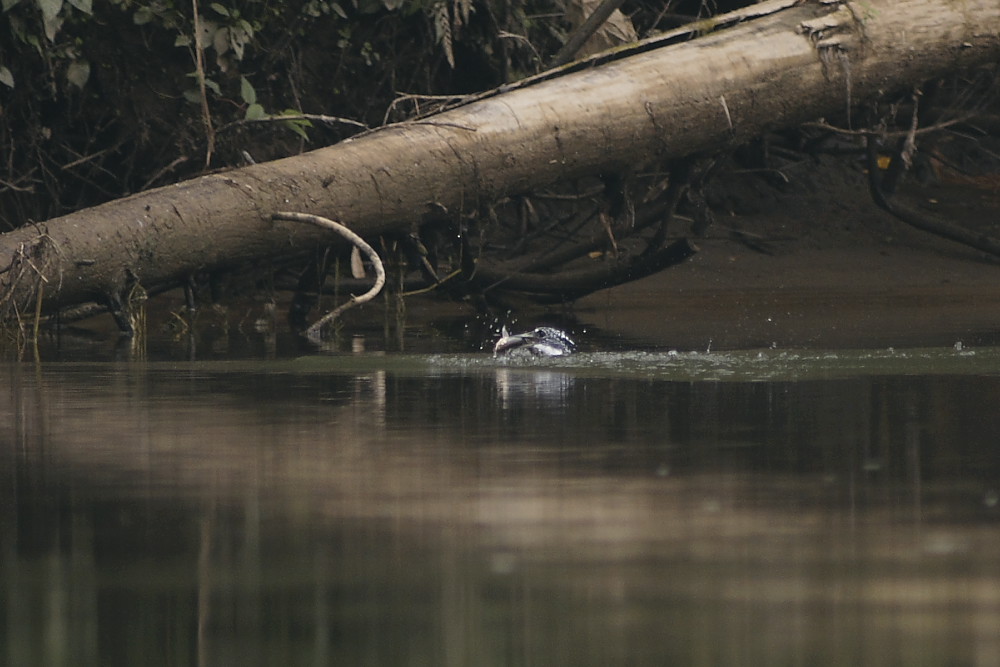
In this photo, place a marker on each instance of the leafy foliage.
(99, 100)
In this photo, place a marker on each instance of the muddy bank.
(819, 265)
(814, 265)
(731, 297)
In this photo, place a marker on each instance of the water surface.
(750, 507)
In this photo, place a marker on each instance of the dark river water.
(619, 508)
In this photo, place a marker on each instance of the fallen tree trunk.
(799, 59)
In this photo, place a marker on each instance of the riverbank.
(819, 266)
(815, 265)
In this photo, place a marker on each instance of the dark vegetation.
(98, 101)
(103, 100)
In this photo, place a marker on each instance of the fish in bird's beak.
(539, 342)
(509, 342)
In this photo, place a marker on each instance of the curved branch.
(923, 221)
(315, 332)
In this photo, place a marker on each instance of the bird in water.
(539, 342)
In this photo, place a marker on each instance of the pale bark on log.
(799, 60)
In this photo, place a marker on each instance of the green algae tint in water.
(631, 508)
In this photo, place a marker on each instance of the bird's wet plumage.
(539, 342)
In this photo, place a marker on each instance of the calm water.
(755, 508)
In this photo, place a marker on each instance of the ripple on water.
(746, 365)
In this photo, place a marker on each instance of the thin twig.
(12, 185)
(199, 63)
(435, 123)
(887, 135)
(38, 312)
(434, 286)
(503, 34)
(584, 31)
(314, 332)
(85, 158)
(319, 118)
(443, 100)
(162, 172)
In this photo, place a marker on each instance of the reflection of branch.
(205, 581)
(314, 332)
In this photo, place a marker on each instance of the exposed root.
(29, 265)
(315, 332)
(921, 220)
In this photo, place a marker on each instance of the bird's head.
(540, 342)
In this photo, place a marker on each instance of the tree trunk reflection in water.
(509, 515)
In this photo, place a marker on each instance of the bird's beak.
(507, 342)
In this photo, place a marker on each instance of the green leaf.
(296, 112)
(52, 25)
(208, 30)
(239, 36)
(33, 40)
(219, 9)
(255, 112)
(182, 40)
(246, 27)
(211, 85)
(7, 4)
(192, 95)
(50, 8)
(6, 77)
(220, 40)
(78, 72)
(247, 92)
(296, 127)
(142, 16)
(85, 6)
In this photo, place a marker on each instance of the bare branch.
(315, 332)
